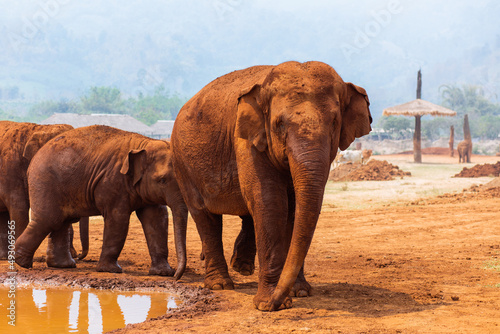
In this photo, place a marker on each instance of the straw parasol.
(418, 108)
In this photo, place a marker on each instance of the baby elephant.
(99, 170)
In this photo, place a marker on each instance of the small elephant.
(99, 170)
(464, 148)
(19, 142)
(259, 142)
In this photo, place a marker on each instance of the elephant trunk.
(180, 217)
(309, 173)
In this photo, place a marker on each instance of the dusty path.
(403, 266)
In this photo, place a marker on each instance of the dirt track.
(408, 266)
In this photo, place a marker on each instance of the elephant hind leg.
(29, 241)
(243, 259)
(4, 235)
(210, 230)
(58, 249)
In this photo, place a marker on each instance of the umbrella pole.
(417, 151)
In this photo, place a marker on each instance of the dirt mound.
(495, 183)
(433, 150)
(480, 170)
(375, 170)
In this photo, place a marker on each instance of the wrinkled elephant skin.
(19, 142)
(99, 170)
(259, 142)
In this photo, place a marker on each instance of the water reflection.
(63, 310)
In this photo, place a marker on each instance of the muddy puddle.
(51, 309)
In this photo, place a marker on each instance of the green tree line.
(150, 108)
(484, 116)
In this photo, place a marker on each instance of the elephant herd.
(257, 143)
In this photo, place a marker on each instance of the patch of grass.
(493, 264)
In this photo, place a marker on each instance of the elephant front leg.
(58, 248)
(154, 220)
(210, 230)
(115, 233)
(243, 259)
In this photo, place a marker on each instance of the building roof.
(418, 107)
(119, 121)
(163, 128)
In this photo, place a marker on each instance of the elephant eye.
(163, 180)
(279, 126)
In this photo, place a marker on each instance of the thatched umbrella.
(418, 108)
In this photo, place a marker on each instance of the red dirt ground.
(413, 267)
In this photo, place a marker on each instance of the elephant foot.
(301, 289)
(3, 254)
(221, 283)
(264, 303)
(244, 266)
(109, 267)
(24, 258)
(60, 262)
(164, 270)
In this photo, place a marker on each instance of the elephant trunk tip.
(180, 271)
(83, 254)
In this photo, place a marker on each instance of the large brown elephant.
(99, 170)
(18, 144)
(260, 142)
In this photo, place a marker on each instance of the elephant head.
(151, 174)
(299, 115)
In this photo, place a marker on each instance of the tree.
(45, 109)
(104, 100)
(484, 115)
(160, 105)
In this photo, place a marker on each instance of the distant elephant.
(18, 144)
(259, 142)
(99, 170)
(464, 149)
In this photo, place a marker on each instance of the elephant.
(100, 170)
(464, 148)
(259, 142)
(19, 142)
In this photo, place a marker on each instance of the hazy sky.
(61, 47)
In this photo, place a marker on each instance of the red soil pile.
(375, 170)
(480, 170)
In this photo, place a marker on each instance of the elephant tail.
(84, 237)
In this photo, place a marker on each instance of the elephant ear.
(250, 121)
(356, 117)
(35, 142)
(134, 165)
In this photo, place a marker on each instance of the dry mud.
(430, 265)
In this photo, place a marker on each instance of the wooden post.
(417, 149)
(419, 84)
(417, 140)
(452, 139)
(467, 136)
